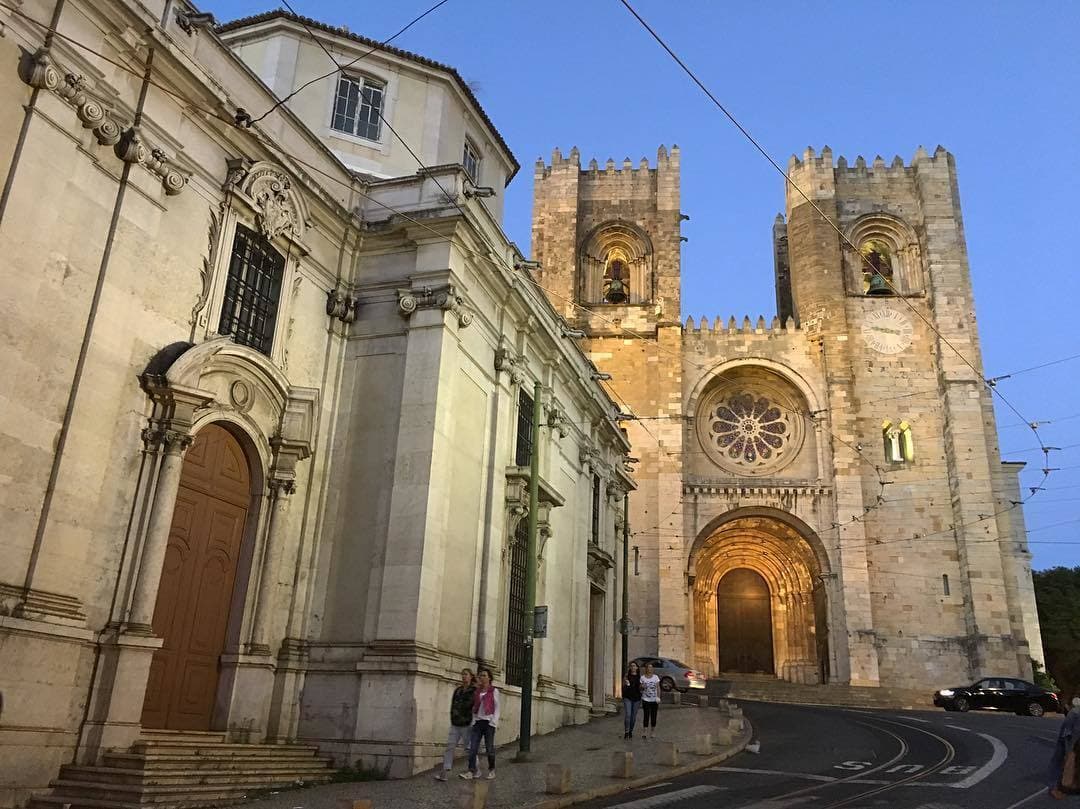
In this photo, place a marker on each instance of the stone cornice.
(765, 488)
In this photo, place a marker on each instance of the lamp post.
(624, 624)
(525, 731)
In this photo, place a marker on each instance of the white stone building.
(262, 441)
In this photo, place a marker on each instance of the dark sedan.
(999, 694)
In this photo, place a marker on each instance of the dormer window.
(616, 281)
(358, 107)
(470, 159)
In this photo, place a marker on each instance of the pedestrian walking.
(650, 701)
(485, 713)
(1064, 773)
(461, 717)
(631, 698)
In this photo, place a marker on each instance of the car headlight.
(948, 692)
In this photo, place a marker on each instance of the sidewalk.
(586, 749)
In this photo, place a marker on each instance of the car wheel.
(1035, 709)
(667, 684)
(961, 704)
(948, 707)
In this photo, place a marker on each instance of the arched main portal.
(758, 600)
(744, 619)
(201, 560)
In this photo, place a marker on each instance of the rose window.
(750, 431)
(748, 428)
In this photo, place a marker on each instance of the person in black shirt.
(461, 717)
(631, 698)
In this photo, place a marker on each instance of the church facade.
(821, 495)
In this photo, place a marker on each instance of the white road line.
(806, 775)
(657, 801)
(655, 786)
(1001, 752)
(913, 719)
(1028, 799)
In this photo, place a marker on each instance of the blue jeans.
(630, 708)
(458, 733)
(482, 729)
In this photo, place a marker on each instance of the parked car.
(673, 674)
(999, 694)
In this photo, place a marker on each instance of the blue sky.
(995, 83)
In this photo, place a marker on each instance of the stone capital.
(445, 297)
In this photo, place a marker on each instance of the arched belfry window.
(616, 281)
(887, 259)
(877, 268)
(615, 265)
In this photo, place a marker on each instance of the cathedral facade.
(821, 496)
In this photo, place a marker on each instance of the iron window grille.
(252, 291)
(471, 161)
(525, 438)
(358, 107)
(515, 622)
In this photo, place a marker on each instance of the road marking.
(656, 801)
(1028, 799)
(1001, 752)
(747, 770)
(655, 786)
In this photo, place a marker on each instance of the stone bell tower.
(608, 242)
(935, 562)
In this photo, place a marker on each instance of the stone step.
(218, 748)
(169, 761)
(204, 736)
(271, 775)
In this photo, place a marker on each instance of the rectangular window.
(945, 583)
(252, 291)
(515, 621)
(523, 455)
(471, 161)
(358, 107)
(596, 510)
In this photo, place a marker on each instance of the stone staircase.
(177, 770)
(763, 688)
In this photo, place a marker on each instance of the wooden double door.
(745, 623)
(197, 582)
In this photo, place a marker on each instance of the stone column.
(175, 443)
(280, 494)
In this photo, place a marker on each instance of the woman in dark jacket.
(631, 698)
(461, 717)
(1068, 740)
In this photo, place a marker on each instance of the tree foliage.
(1057, 593)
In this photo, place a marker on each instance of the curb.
(700, 763)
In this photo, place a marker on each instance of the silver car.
(673, 674)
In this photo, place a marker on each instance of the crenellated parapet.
(626, 171)
(719, 328)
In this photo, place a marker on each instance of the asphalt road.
(826, 758)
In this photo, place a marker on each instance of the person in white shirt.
(650, 701)
(485, 720)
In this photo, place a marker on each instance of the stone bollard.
(676, 698)
(735, 725)
(354, 803)
(667, 754)
(735, 711)
(723, 736)
(476, 795)
(622, 765)
(719, 702)
(556, 779)
(703, 744)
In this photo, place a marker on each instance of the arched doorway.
(196, 589)
(744, 620)
(757, 597)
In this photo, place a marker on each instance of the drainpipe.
(624, 624)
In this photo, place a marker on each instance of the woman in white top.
(485, 720)
(650, 700)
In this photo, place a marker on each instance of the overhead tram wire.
(339, 67)
(492, 251)
(287, 158)
(991, 386)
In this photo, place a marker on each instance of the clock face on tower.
(887, 331)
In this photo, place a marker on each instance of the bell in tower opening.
(877, 268)
(616, 282)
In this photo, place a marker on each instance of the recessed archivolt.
(616, 250)
(780, 555)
